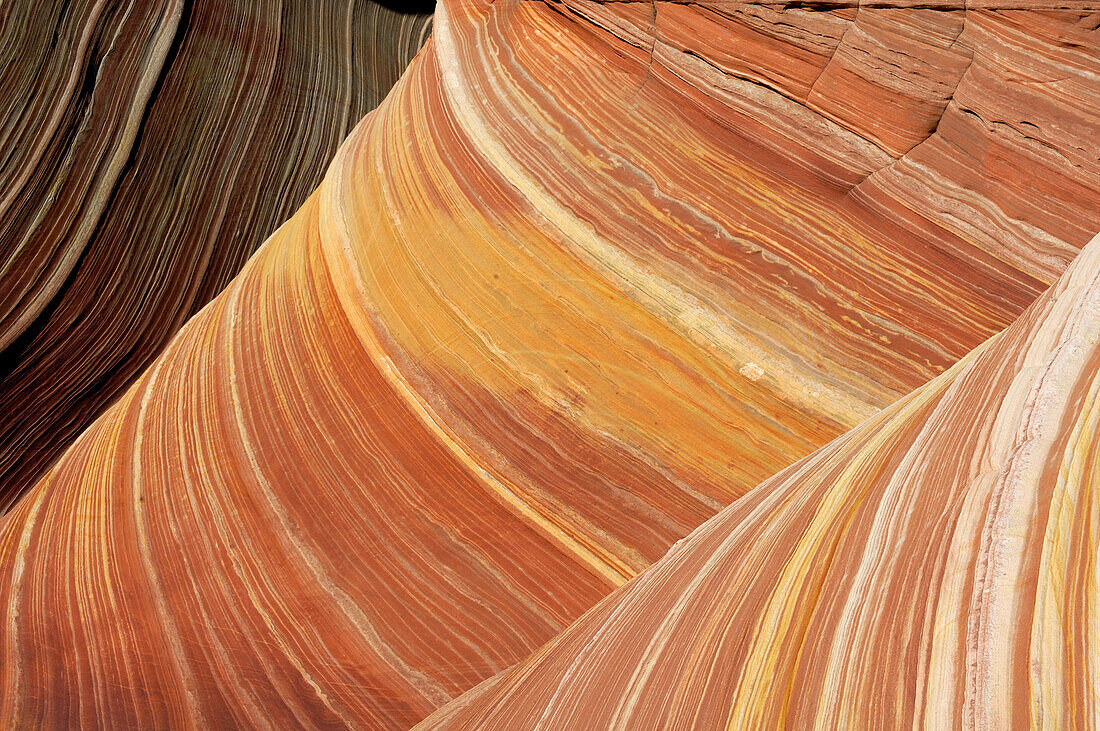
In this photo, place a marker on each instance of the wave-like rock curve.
(582, 280)
(149, 149)
(934, 566)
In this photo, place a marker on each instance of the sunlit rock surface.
(934, 566)
(588, 275)
(148, 149)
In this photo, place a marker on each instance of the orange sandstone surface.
(935, 566)
(591, 273)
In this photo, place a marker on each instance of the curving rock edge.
(595, 276)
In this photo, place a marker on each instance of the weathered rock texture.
(935, 566)
(590, 273)
(148, 149)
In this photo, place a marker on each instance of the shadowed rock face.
(590, 273)
(148, 149)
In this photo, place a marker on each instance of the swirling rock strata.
(149, 149)
(544, 316)
(934, 566)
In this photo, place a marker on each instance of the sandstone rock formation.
(591, 272)
(935, 566)
(149, 149)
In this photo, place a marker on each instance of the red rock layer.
(571, 289)
(148, 149)
(935, 566)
